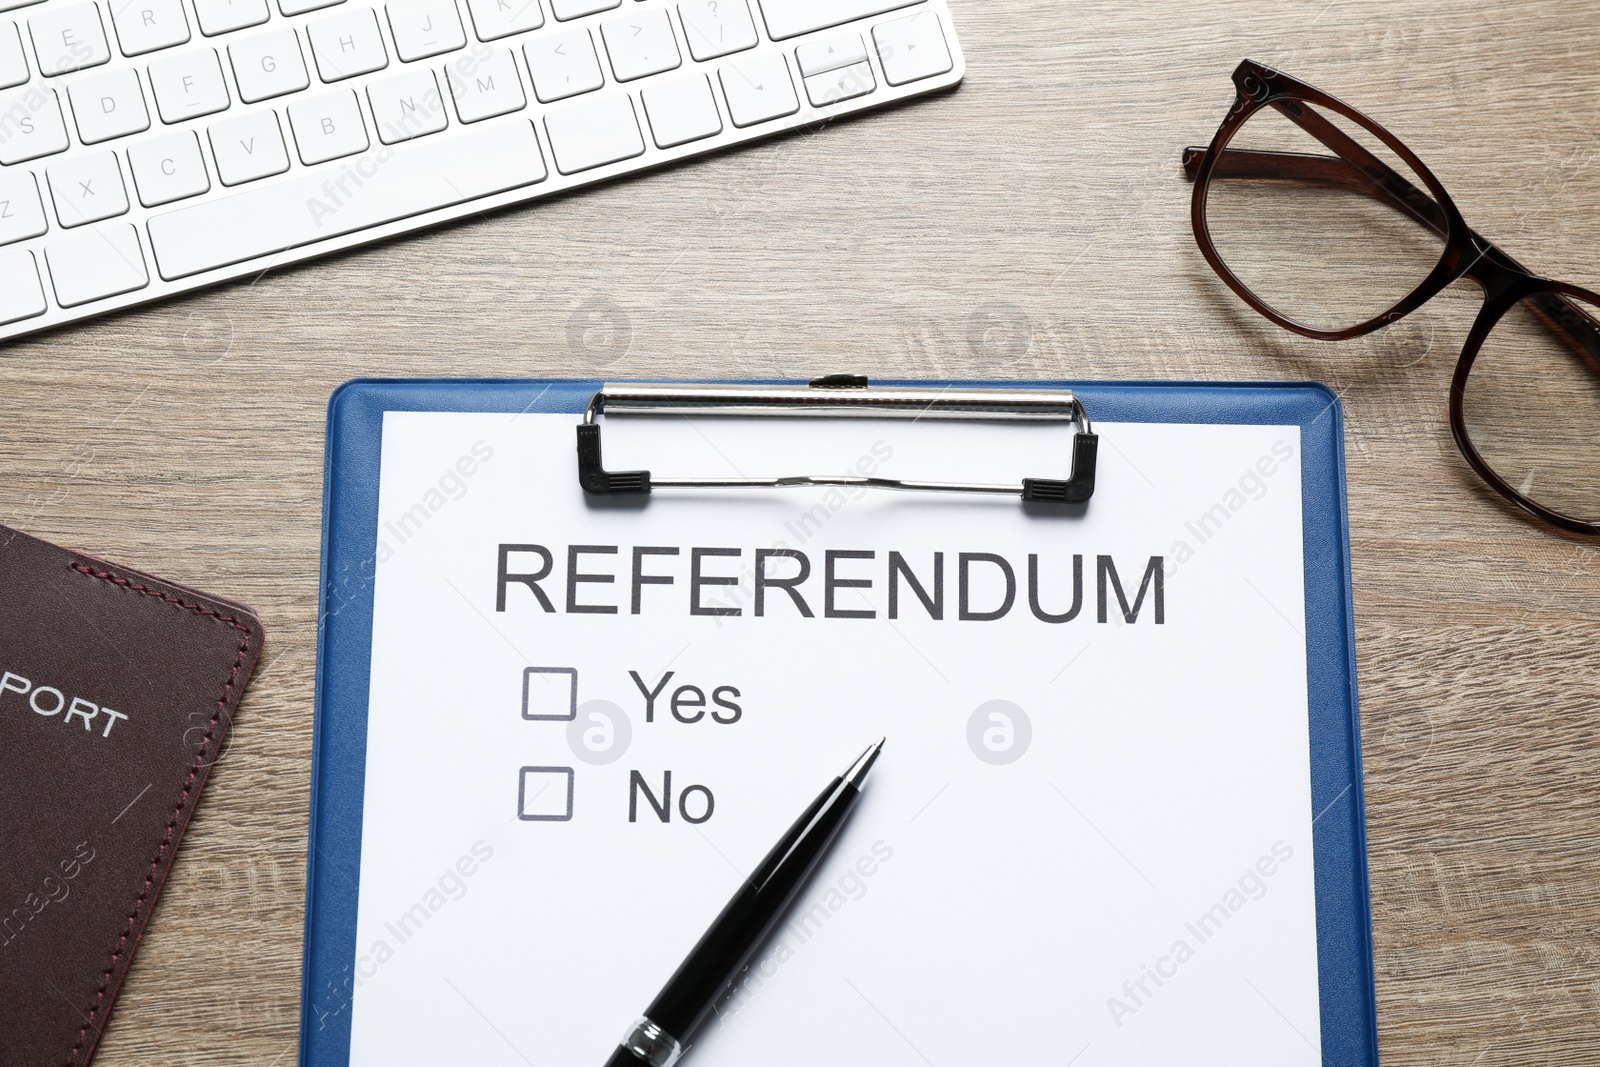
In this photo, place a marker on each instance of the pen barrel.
(723, 953)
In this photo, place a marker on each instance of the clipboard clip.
(838, 396)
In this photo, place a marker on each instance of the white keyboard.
(151, 147)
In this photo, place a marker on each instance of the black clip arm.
(592, 471)
(1076, 489)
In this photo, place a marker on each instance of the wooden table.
(1031, 224)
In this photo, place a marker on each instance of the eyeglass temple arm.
(1319, 170)
(1378, 180)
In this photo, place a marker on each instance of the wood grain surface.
(1031, 224)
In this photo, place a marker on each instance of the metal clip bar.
(838, 396)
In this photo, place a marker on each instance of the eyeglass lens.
(1312, 235)
(1532, 403)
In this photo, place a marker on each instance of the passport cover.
(116, 693)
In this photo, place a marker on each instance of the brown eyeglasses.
(1337, 246)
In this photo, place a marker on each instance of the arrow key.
(830, 53)
(835, 86)
(912, 48)
(759, 89)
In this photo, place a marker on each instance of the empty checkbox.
(550, 694)
(545, 794)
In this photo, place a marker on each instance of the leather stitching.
(188, 786)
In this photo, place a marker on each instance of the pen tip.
(858, 772)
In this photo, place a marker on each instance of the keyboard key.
(912, 48)
(68, 38)
(417, 177)
(248, 147)
(758, 89)
(146, 25)
(830, 53)
(168, 168)
(681, 110)
(716, 28)
(21, 295)
(328, 127)
(571, 9)
(563, 65)
(21, 213)
(96, 264)
(846, 83)
(268, 65)
(107, 105)
(406, 106)
(494, 19)
(300, 7)
(188, 85)
(347, 44)
(13, 64)
(485, 90)
(32, 125)
(791, 18)
(594, 133)
(424, 28)
(225, 16)
(88, 188)
(8, 5)
(641, 45)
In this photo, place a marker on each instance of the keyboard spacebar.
(362, 192)
(789, 18)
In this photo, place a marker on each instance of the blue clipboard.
(344, 644)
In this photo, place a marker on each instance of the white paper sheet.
(1117, 868)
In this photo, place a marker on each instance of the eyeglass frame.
(1467, 253)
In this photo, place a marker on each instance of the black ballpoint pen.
(670, 1023)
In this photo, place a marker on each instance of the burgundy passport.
(116, 693)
